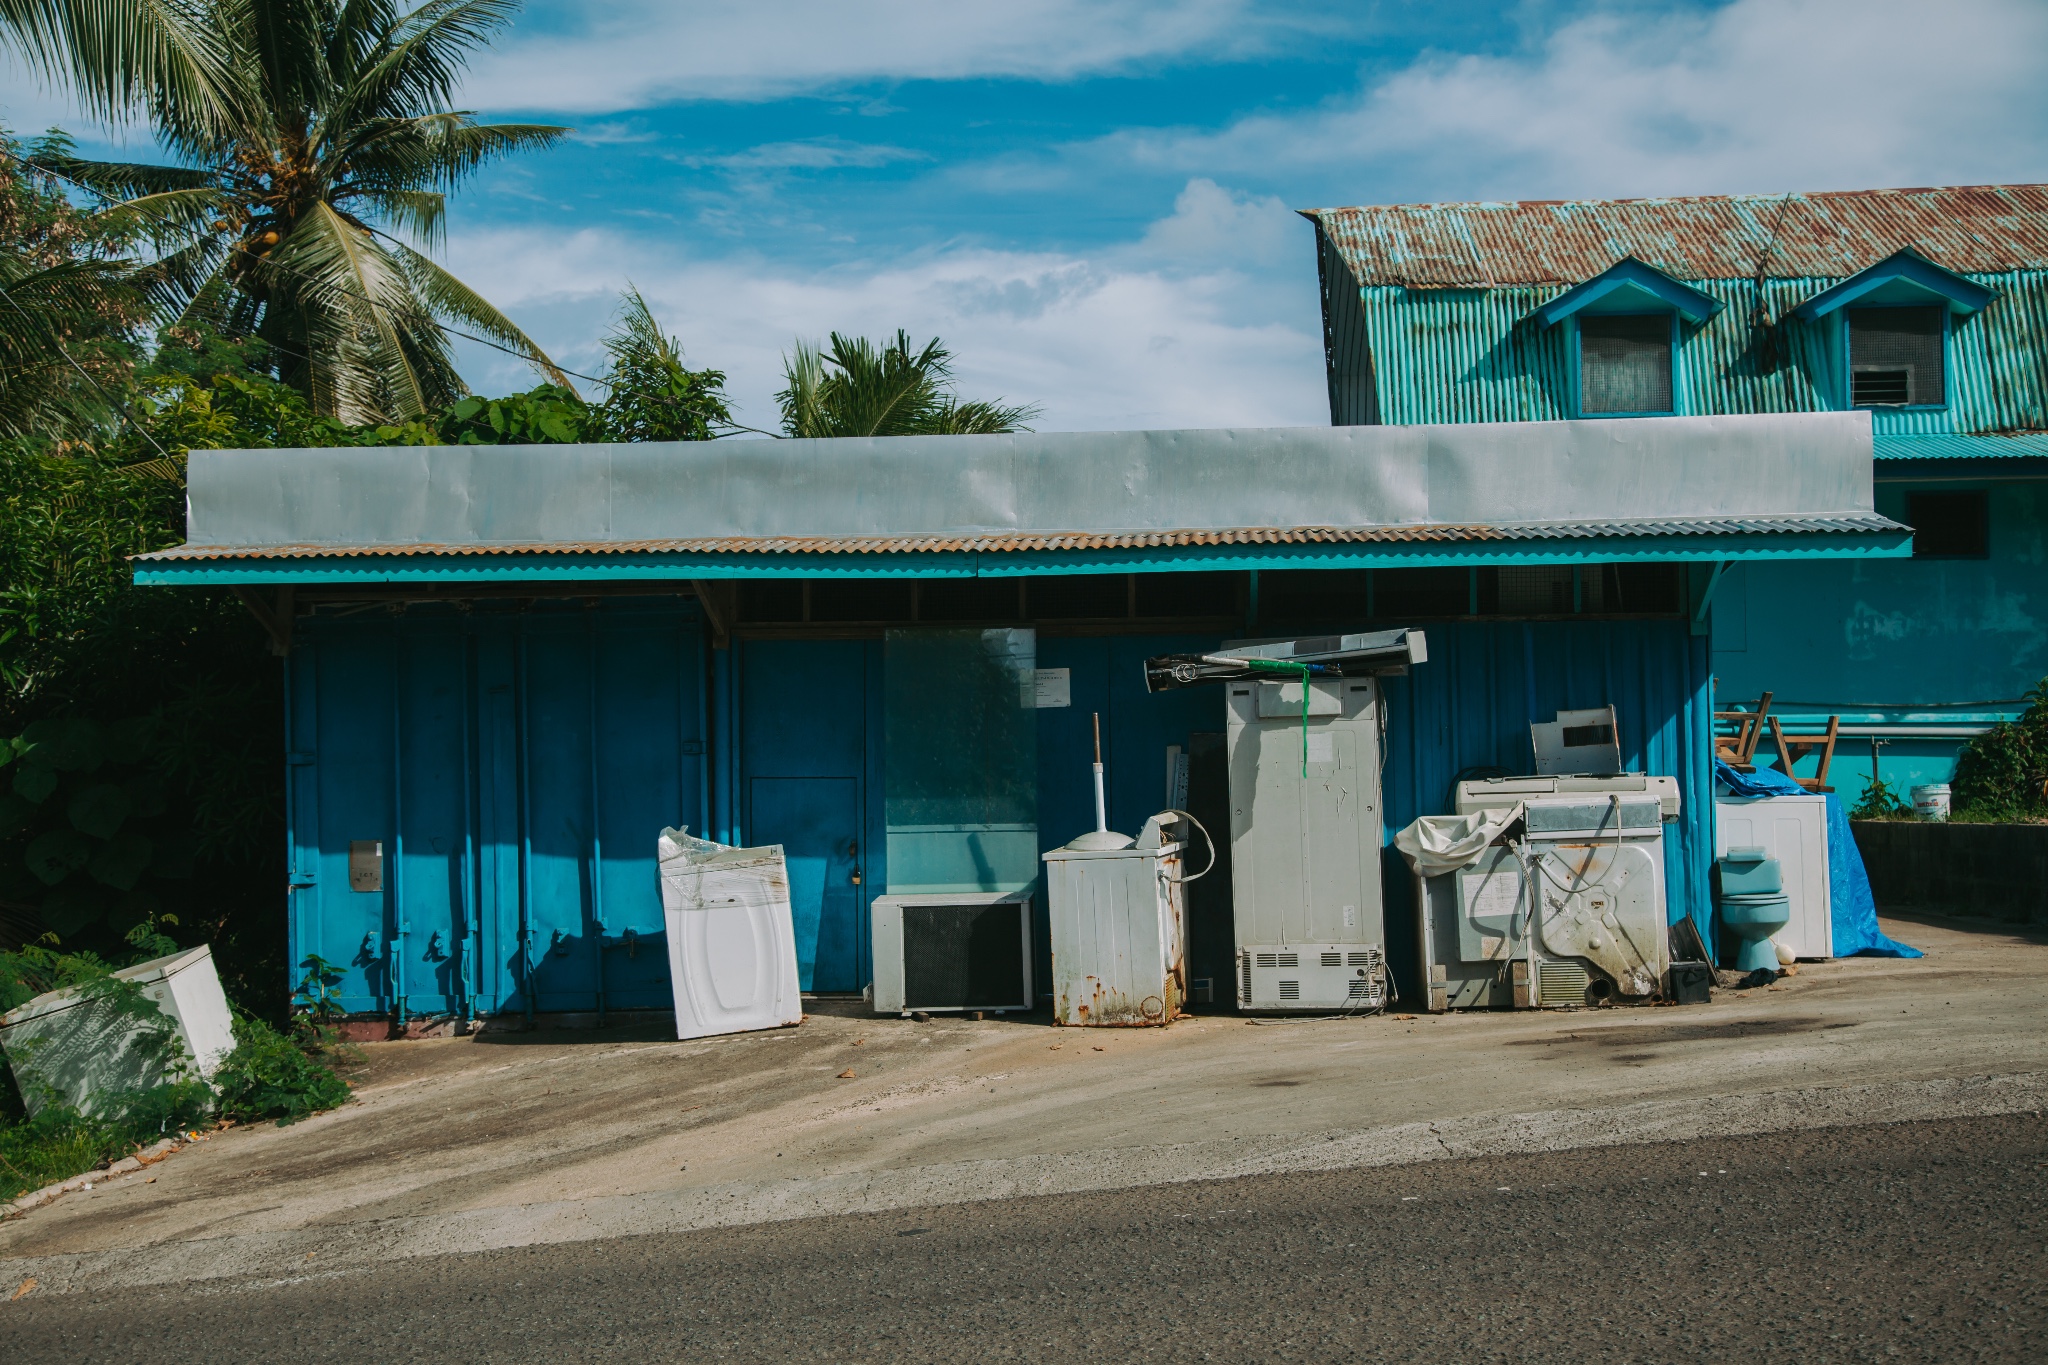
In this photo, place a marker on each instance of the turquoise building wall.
(1915, 654)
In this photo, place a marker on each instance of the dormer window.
(1624, 338)
(1895, 357)
(1895, 319)
(1625, 364)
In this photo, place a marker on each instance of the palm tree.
(317, 151)
(68, 310)
(855, 387)
(654, 396)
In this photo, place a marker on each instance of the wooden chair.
(1792, 748)
(1738, 749)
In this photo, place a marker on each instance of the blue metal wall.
(1472, 704)
(517, 767)
(518, 764)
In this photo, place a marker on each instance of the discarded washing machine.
(1587, 853)
(1118, 918)
(1303, 723)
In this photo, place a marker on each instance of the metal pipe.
(467, 931)
(525, 827)
(1101, 809)
(596, 818)
(398, 921)
(704, 750)
(296, 892)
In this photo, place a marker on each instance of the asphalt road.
(1921, 1241)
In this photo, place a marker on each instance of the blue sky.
(1092, 200)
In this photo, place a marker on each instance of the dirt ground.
(504, 1121)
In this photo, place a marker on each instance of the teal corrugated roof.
(2020, 445)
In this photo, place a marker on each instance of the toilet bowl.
(1752, 919)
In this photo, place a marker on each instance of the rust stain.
(1017, 542)
(1972, 228)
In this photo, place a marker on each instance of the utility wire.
(377, 303)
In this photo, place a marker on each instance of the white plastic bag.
(1436, 844)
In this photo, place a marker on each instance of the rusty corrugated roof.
(1975, 229)
(1029, 541)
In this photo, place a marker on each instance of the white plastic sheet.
(731, 938)
(1436, 844)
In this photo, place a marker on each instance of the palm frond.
(116, 179)
(449, 298)
(170, 220)
(56, 370)
(959, 417)
(286, 47)
(436, 152)
(358, 318)
(421, 59)
(175, 281)
(122, 57)
(803, 393)
(636, 338)
(419, 214)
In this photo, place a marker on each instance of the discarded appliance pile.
(1546, 890)
(1549, 890)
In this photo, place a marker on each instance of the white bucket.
(1931, 802)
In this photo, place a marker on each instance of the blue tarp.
(1850, 905)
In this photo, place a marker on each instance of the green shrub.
(2003, 773)
(269, 1076)
(1880, 801)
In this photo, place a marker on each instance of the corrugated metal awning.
(1039, 541)
(2014, 446)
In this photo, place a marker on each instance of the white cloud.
(813, 154)
(1212, 226)
(632, 55)
(1758, 95)
(1116, 340)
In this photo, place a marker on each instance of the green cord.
(1297, 670)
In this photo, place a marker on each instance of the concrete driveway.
(514, 1139)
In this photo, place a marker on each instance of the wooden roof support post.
(720, 601)
(274, 614)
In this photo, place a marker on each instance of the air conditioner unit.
(952, 952)
(1311, 976)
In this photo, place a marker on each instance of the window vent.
(1269, 959)
(1290, 960)
(1359, 960)
(1895, 357)
(1361, 989)
(1333, 959)
(1244, 986)
(1290, 990)
(1625, 363)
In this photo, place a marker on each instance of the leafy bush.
(2003, 773)
(1880, 801)
(268, 1076)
